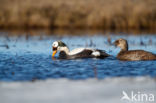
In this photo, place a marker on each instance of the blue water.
(25, 59)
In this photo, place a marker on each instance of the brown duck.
(132, 55)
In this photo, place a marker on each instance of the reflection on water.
(29, 57)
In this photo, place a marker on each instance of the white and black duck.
(65, 53)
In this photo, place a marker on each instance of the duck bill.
(54, 51)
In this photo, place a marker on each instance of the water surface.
(29, 58)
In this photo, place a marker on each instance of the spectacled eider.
(65, 53)
(132, 55)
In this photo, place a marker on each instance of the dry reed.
(105, 14)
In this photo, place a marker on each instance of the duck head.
(122, 43)
(59, 46)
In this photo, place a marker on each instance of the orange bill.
(54, 52)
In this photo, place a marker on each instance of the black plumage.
(86, 53)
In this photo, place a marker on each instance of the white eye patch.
(55, 44)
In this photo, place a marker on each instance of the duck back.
(135, 55)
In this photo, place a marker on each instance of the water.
(29, 58)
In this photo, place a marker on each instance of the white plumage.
(78, 50)
(96, 53)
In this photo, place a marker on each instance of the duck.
(132, 55)
(65, 53)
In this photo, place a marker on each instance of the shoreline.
(74, 32)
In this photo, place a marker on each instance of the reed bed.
(104, 14)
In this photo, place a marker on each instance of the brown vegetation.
(105, 14)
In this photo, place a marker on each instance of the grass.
(103, 14)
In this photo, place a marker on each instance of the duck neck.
(124, 48)
(65, 49)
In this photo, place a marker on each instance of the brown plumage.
(132, 55)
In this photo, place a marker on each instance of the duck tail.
(103, 53)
